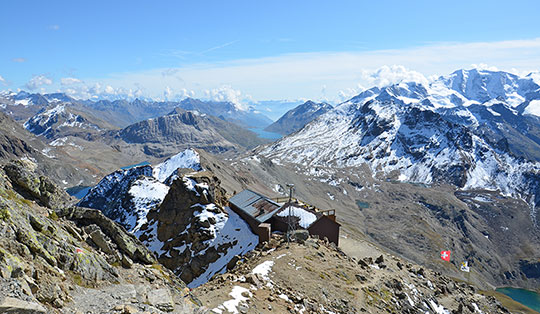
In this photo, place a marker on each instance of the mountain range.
(472, 129)
(121, 113)
(128, 132)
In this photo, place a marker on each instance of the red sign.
(445, 255)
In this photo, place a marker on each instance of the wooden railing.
(285, 200)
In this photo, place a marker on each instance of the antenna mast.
(290, 227)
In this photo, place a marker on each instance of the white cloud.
(54, 27)
(66, 81)
(38, 81)
(19, 60)
(173, 94)
(348, 93)
(483, 66)
(383, 76)
(387, 75)
(110, 90)
(101, 91)
(227, 93)
(301, 76)
(186, 93)
(3, 80)
(219, 47)
(167, 93)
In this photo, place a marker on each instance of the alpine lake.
(530, 299)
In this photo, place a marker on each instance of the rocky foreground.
(56, 258)
(317, 277)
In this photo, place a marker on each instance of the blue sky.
(253, 50)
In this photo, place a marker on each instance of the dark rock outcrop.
(37, 188)
(49, 252)
(126, 243)
(178, 224)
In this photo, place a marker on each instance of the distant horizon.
(405, 76)
(275, 108)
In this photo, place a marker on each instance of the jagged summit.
(57, 121)
(127, 195)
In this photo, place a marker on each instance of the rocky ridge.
(56, 258)
(228, 111)
(53, 161)
(59, 120)
(313, 276)
(121, 112)
(182, 129)
(295, 119)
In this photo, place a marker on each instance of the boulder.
(91, 266)
(36, 223)
(100, 240)
(253, 279)
(13, 305)
(232, 263)
(300, 236)
(126, 261)
(40, 188)
(161, 299)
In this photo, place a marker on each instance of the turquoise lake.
(528, 298)
(264, 134)
(78, 191)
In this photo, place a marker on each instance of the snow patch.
(439, 309)
(238, 297)
(186, 159)
(476, 308)
(147, 193)
(59, 141)
(533, 108)
(226, 230)
(264, 269)
(306, 217)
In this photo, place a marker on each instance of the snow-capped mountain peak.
(484, 85)
(52, 120)
(452, 131)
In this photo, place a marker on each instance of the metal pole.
(289, 222)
